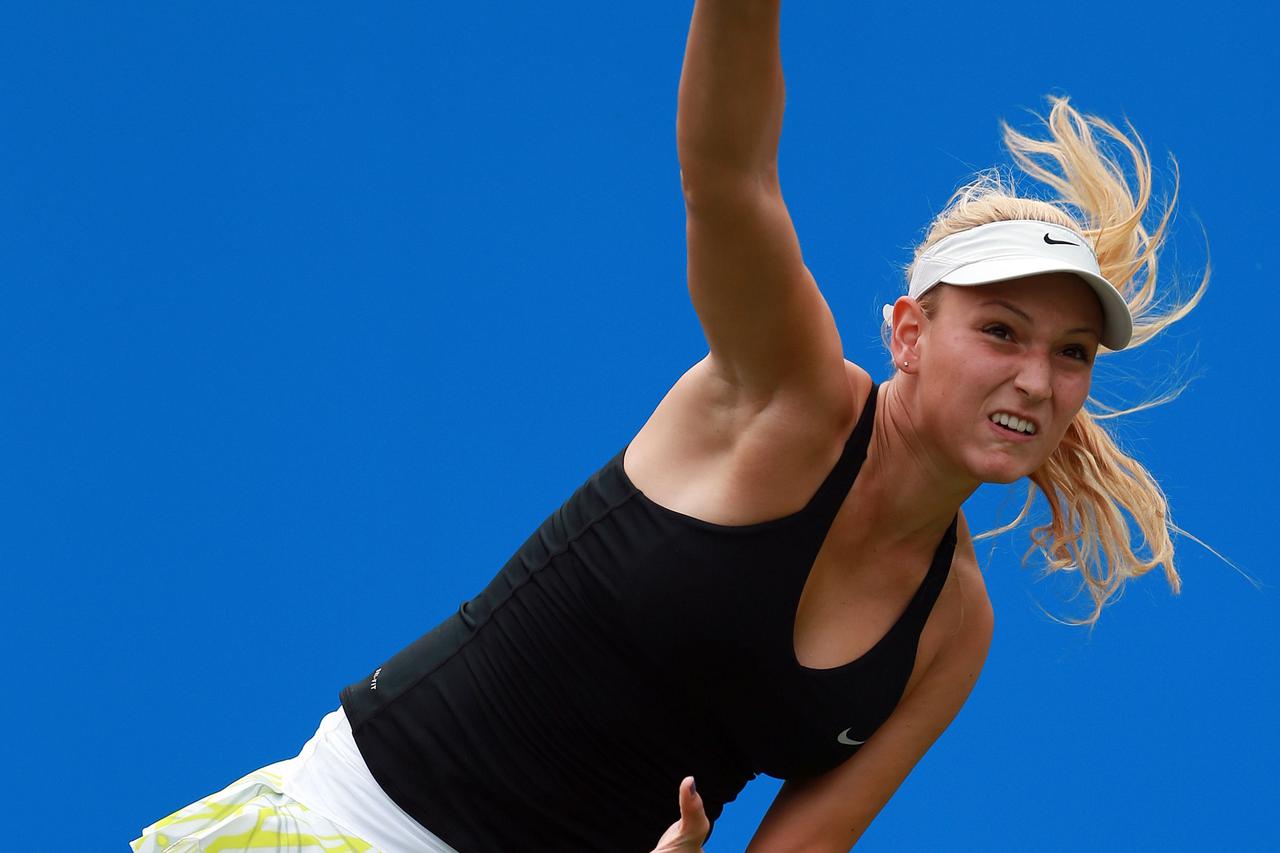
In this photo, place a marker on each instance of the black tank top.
(623, 647)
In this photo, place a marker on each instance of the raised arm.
(770, 331)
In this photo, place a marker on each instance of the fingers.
(690, 831)
(692, 814)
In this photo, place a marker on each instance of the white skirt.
(324, 800)
(332, 778)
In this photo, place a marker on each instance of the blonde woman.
(774, 575)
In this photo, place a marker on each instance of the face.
(1021, 348)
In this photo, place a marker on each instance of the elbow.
(710, 186)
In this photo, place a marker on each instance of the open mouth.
(1012, 423)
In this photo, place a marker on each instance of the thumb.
(691, 829)
(692, 814)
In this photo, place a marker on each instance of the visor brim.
(1117, 322)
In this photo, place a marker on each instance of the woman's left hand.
(687, 834)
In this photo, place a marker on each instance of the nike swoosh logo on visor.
(1053, 242)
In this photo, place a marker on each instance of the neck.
(905, 493)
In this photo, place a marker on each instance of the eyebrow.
(1026, 317)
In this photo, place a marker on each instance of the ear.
(909, 324)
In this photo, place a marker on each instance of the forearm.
(732, 94)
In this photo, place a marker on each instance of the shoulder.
(960, 646)
(816, 419)
(959, 629)
(960, 649)
(789, 444)
(976, 630)
(713, 452)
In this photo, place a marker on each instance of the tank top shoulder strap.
(922, 602)
(826, 501)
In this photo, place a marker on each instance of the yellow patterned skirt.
(250, 814)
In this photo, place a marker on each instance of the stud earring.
(905, 365)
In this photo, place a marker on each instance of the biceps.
(765, 320)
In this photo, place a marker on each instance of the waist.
(331, 778)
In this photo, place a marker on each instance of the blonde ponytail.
(1088, 482)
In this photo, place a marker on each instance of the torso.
(703, 455)
(587, 575)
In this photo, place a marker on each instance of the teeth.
(1014, 423)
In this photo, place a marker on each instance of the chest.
(800, 695)
(791, 675)
(848, 604)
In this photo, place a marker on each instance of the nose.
(1034, 380)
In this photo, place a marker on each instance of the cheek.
(1073, 389)
(952, 355)
(959, 386)
(1070, 394)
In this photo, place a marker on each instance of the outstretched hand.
(687, 834)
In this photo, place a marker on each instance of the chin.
(1004, 479)
(1002, 474)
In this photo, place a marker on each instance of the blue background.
(313, 311)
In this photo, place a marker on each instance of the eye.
(1077, 352)
(999, 330)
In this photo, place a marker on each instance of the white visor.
(1000, 251)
